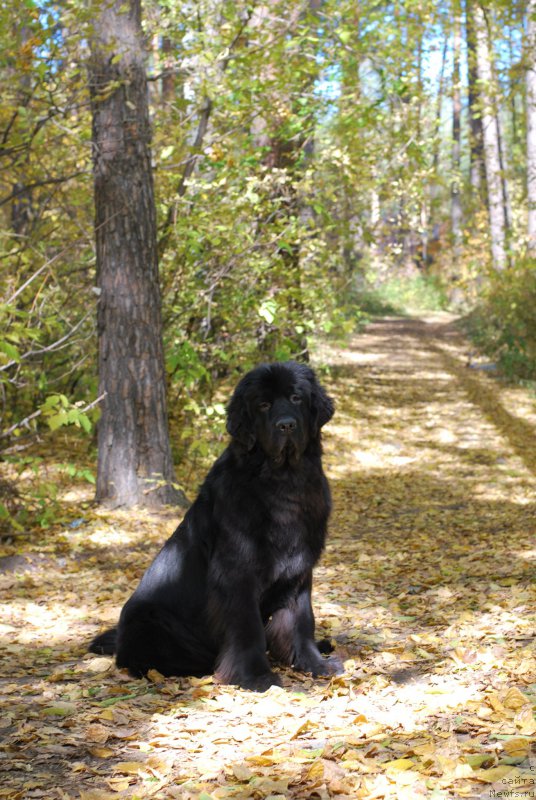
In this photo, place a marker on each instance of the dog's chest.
(293, 539)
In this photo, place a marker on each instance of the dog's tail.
(105, 644)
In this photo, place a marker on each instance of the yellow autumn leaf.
(495, 702)
(101, 752)
(447, 763)
(263, 760)
(316, 770)
(525, 722)
(129, 767)
(493, 774)
(514, 699)
(426, 749)
(100, 664)
(155, 677)
(118, 784)
(308, 725)
(159, 766)
(242, 772)
(206, 681)
(399, 764)
(517, 747)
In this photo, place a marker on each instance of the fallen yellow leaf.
(517, 747)
(100, 664)
(155, 677)
(513, 698)
(101, 752)
(118, 784)
(316, 770)
(97, 733)
(524, 720)
(399, 764)
(129, 767)
(242, 772)
(493, 774)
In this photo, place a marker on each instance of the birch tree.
(491, 136)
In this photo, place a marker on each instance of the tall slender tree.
(530, 56)
(134, 461)
(456, 197)
(476, 139)
(492, 149)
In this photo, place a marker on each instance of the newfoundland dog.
(234, 580)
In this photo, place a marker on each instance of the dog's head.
(280, 407)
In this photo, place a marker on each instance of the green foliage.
(503, 324)
(297, 156)
(403, 295)
(32, 496)
(59, 411)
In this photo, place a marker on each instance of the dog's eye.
(264, 406)
(295, 398)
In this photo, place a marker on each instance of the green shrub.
(503, 324)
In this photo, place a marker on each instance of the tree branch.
(36, 184)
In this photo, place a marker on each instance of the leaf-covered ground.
(427, 586)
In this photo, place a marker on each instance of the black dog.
(234, 580)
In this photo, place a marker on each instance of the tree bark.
(455, 196)
(476, 139)
(432, 226)
(168, 78)
(134, 459)
(492, 152)
(531, 124)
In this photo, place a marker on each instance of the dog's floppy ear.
(238, 420)
(322, 405)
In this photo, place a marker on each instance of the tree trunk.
(476, 139)
(134, 460)
(492, 153)
(168, 78)
(286, 155)
(455, 196)
(531, 124)
(432, 227)
(504, 172)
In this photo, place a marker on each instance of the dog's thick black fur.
(234, 580)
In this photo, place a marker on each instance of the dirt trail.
(427, 586)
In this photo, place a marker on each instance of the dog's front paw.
(318, 666)
(332, 665)
(260, 683)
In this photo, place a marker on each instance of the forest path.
(427, 586)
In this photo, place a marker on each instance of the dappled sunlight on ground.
(426, 588)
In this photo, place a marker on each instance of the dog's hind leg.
(154, 640)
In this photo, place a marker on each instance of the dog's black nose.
(286, 424)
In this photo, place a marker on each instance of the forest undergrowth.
(426, 587)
